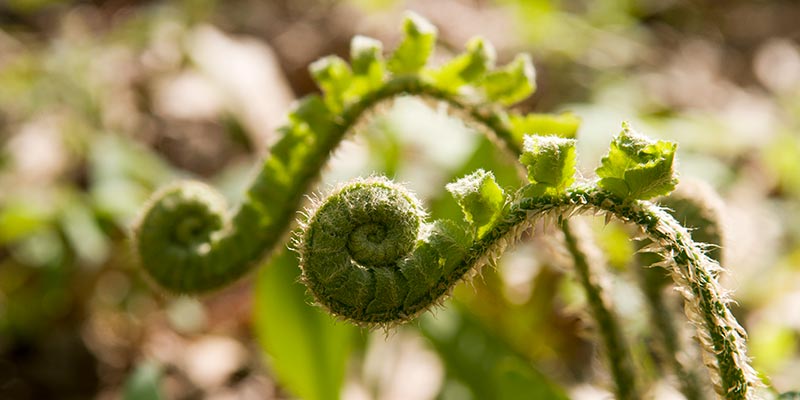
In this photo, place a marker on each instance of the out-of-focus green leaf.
(144, 383)
(482, 362)
(512, 83)
(117, 157)
(20, 218)
(615, 241)
(334, 77)
(416, 46)
(83, 233)
(367, 59)
(487, 156)
(388, 145)
(42, 248)
(637, 167)
(772, 346)
(123, 175)
(466, 68)
(306, 347)
(782, 155)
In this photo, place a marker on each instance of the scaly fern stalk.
(698, 208)
(188, 244)
(705, 304)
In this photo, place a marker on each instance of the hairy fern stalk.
(368, 252)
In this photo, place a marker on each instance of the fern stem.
(616, 348)
(720, 335)
(661, 316)
(488, 117)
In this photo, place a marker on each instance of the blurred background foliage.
(101, 102)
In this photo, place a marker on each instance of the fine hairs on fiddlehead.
(368, 253)
(698, 208)
(369, 256)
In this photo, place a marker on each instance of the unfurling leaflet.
(637, 167)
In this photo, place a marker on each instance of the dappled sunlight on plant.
(103, 102)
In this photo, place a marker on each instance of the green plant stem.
(719, 333)
(492, 118)
(616, 348)
(661, 317)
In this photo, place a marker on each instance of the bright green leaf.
(368, 66)
(367, 59)
(637, 167)
(334, 77)
(550, 161)
(512, 83)
(311, 121)
(307, 349)
(466, 68)
(480, 197)
(416, 46)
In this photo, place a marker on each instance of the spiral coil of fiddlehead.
(369, 256)
(187, 244)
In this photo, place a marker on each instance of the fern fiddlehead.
(360, 254)
(188, 244)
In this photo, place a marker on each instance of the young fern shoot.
(368, 252)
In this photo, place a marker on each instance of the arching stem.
(721, 336)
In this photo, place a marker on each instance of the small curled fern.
(368, 253)
(369, 256)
